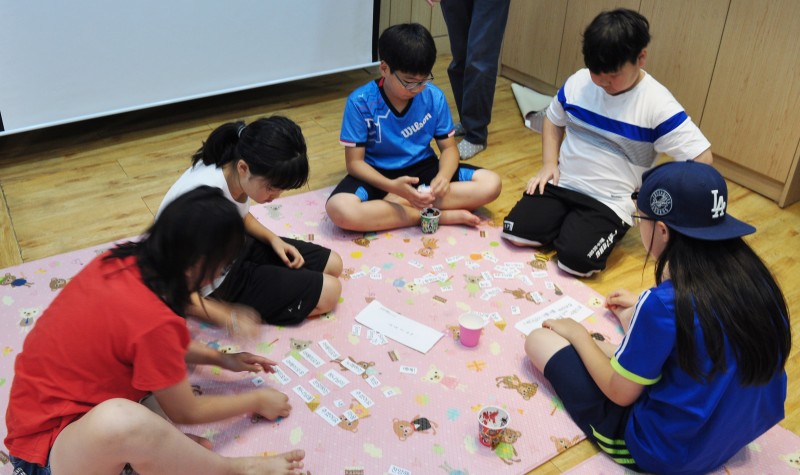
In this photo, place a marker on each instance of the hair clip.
(241, 128)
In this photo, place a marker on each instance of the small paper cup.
(430, 220)
(492, 422)
(470, 327)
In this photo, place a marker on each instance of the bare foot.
(459, 216)
(287, 463)
(201, 440)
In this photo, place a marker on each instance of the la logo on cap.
(719, 205)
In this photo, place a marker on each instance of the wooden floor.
(78, 185)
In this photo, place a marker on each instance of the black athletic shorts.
(261, 280)
(582, 230)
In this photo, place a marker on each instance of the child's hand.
(621, 303)
(567, 328)
(273, 404)
(440, 187)
(405, 187)
(620, 299)
(243, 322)
(245, 361)
(547, 173)
(287, 253)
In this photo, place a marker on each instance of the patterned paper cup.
(430, 220)
(492, 422)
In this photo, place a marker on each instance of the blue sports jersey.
(395, 139)
(679, 425)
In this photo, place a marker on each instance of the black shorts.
(582, 230)
(599, 418)
(425, 170)
(261, 280)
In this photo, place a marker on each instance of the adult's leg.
(119, 431)
(485, 35)
(457, 17)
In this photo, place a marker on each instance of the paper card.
(303, 393)
(389, 392)
(328, 349)
(312, 358)
(408, 369)
(395, 470)
(329, 416)
(566, 307)
(362, 398)
(399, 328)
(295, 366)
(373, 381)
(321, 388)
(350, 415)
(352, 366)
(336, 378)
(280, 375)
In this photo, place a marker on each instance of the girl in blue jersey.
(387, 130)
(700, 371)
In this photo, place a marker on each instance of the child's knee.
(120, 420)
(342, 211)
(331, 291)
(334, 265)
(490, 183)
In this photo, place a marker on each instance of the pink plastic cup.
(471, 325)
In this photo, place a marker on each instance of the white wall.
(64, 61)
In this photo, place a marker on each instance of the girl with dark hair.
(115, 334)
(284, 280)
(700, 371)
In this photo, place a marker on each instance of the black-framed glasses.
(410, 86)
(637, 218)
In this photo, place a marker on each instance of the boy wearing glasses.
(387, 129)
(617, 120)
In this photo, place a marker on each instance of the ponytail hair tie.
(241, 128)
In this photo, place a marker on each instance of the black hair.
(735, 298)
(200, 227)
(613, 39)
(408, 47)
(273, 148)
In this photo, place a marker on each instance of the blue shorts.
(23, 467)
(599, 418)
(425, 170)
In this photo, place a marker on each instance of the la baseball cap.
(691, 198)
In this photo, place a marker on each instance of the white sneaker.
(468, 150)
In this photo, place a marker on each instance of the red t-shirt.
(106, 335)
